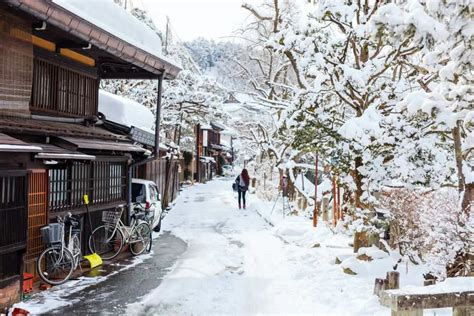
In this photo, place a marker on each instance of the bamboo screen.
(16, 63)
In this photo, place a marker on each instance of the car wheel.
(157, 228)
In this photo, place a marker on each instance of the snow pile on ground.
(458, 284)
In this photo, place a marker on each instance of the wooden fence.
(156, 171)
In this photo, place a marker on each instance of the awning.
(96, 144)
(10, 144)
(54, 152)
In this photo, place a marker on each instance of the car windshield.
(138, 193)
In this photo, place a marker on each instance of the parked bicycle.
(62, 256)
(108, 240)
(144, 214)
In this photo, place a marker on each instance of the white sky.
(212, 19)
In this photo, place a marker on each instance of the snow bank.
(372, 252)
(125, 111)
(113, 19)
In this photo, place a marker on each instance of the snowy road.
(214, 259)
(236, 263)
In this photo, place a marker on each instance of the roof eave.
(50, 12)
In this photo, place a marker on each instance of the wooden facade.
(52, 152)
(209, 152)
(157, 172)
(63, 90)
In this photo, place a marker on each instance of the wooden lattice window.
(110, 181)
(37, 212)
(57, 89)
(104, 181)
(13, 213)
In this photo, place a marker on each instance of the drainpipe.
(156, 152)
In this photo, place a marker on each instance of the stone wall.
(9, 294)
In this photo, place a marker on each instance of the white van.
(146, 193)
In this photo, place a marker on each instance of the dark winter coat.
(241, 187)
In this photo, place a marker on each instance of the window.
(63, 90)
(104, 182)
(58, 189)
(138, 193)
(13, 220)
(115, 180)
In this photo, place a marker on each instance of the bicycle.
(108, 240)
(57, 262)
(147, 216)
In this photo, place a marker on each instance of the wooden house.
(210, 153)
(53, 54)
(135, 121)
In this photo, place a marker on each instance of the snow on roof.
(125, 111)
(113, 19)
(19, 148)
(206, 126)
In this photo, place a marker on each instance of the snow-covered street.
(214, 259)
(236, 263)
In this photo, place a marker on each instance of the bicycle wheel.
(55, 266)
(140, 239)
(106, 241)
(76, 250)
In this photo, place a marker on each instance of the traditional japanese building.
(211, 155)
(53, 147)
(135, 121)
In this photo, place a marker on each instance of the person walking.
(243, 181)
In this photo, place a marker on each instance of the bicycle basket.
(111, 218)
(52, 234)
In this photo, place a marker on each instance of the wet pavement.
(112, 295)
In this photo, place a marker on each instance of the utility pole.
(315, 211)
(167, 34)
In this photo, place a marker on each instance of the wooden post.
(380, 285)
(325, 209)
(393, 278)
(315, 211)
(339, 211)
(429, 282)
